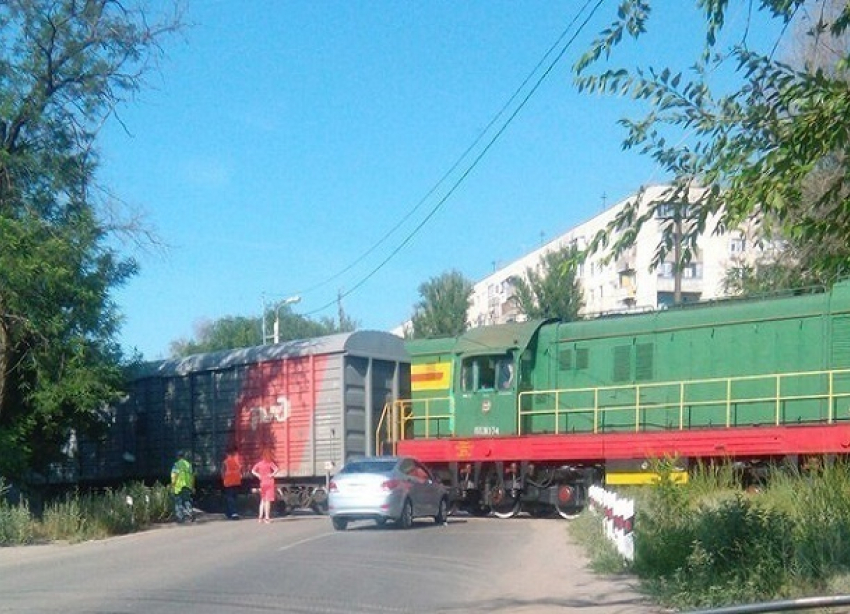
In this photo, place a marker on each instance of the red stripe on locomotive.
(708, 443)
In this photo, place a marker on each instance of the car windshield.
(368, 466)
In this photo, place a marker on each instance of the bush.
(16, 524)
(820, 503)
(589, 532)
(82, 516)
(708, 544)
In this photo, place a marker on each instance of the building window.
(667, 211)
(737, 245)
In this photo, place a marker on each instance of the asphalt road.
(300, 564)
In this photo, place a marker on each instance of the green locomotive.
(527, 415)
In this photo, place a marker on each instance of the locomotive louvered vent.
(569, 359)
(622, 363)
(643, 362)
(582, 358)
(841, 342)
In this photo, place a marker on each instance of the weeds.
(83, 516)
(590, 534)
(707, 543)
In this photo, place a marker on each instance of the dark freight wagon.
(311, 404)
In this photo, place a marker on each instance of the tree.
(765, 276)
(227, 333)
(232, 332)
(64, 67)
(553, 289)
(442, 310)
(756, 148)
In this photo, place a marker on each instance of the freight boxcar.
(311, 404)
(527, 415)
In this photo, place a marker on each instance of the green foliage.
(553, 290)
(443, 308)
(64, 67)
(295, 326)
(775, 148)
(764, 277)
(83, 516)
(16, 523)
(589, 533)
(227, 333)
(820, 502)
(708, 544)
(736, 551)
(232, 332)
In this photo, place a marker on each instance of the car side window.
(406, 466)
(423, 472)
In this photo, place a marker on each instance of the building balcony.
(625, 294)
(625, 264)
(689, 284)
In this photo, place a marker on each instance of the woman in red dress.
(265, 471)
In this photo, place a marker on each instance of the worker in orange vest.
(231, 478)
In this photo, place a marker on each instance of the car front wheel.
(405, 521)
(339, 523)
(442, 512)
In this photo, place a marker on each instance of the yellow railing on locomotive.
(409, 418)
(732, 401)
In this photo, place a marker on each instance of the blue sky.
(279, 141)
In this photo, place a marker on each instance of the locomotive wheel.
(567, 507)
(505, 512)
(503, 503)
(479, 511)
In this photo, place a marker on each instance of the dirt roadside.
(549, 572)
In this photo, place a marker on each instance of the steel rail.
(786, 605)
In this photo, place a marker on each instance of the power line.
(457, 163)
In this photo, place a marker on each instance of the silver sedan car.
(385, 488)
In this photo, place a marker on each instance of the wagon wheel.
(319, 502)
(502, 501)
(567, 506)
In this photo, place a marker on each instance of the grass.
(83, 516)
(588, 531)
(708, 543)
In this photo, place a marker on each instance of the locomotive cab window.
(487, 373)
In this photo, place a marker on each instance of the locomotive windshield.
(487, 373)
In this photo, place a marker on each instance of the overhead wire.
(457, 162)
(474, 162)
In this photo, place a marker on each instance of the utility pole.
(275, 336)
(677, 255)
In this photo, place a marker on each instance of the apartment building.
(626, 282)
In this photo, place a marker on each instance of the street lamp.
(275, 336)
